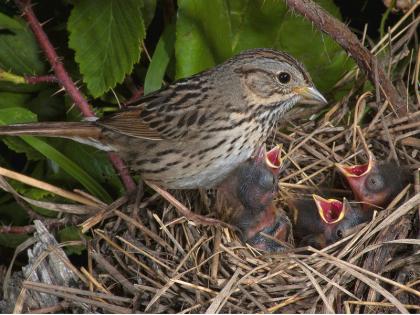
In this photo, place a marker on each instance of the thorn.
(46, 22)
(59, 91)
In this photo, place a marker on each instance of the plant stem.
(66, 82)
(11, 77)
(28, 229)
(37, 79)
(350, 43)
(27, 79)
(55, 62)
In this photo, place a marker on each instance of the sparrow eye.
(339, 234)
(283, 77)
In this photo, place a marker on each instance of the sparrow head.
(272, 79)
(338, 218)
(258, 178)
(374, 183)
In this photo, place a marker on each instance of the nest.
(142, 256)
(152, 254)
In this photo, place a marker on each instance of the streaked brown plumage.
(193, 132)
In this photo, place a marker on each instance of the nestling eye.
(375, 182)
(283, 77)
(339, 234)
(266, 181)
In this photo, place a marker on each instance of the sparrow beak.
(330, 210)
(311, 93)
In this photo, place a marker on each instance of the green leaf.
(203, 35)
(8, 23)
(212, 18)
(256, 23)
(19, 146)
(12, 240)
(19, 52)
(12, 214)
(11, 99)
(191, 50)
(326, 61)
(69, 166)
(148, 9)
(95, 162)
(48, 105)
(18, 114)
(160, 60)
(71, 233)
(268, 23)
(106, 36)
(205, 30)
(13, 115)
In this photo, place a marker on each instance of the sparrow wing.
(167, 114)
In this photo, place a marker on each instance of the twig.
(122, 170)
(47, 187)
(349, 41)
(51, 309)
(187, 213)
(28, 229)
(66, 82)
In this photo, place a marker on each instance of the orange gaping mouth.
(273, 157)
(330, 210)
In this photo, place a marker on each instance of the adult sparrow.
(193, 132)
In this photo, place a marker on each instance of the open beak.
(273, 157)
(330, 210)
(260, 153)
(357, 171)
(311, 93)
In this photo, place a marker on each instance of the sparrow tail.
(53, 129)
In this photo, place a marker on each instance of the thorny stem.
(27, 79)
(49, 51)
(67, 83)
(37, 79)
(349, 41)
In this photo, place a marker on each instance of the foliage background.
(113, 48)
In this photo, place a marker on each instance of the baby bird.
(320, 222)
(274, 222)
(374, 183)
(246, 199)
